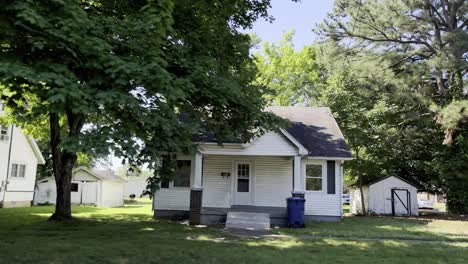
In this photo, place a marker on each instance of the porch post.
(298, 189)
(196, 191)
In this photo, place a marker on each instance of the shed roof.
(400, 178)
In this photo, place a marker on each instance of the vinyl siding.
(323, 204)
(111, 194)
(273, 181)
(172, 199)
(21, 153)
(216, 189)
(380, 196)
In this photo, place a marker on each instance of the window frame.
(249, 178)
(77, 187)
(190, 175)
(17, 171)
(3, 130)
(192, 171)
(323, 177)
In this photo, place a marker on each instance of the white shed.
(101, 188)
(391, 195)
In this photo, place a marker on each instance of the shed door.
(243, 183)
(89, 192)
(401, 202)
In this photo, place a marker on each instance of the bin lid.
(296, 199)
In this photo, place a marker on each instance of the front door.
(243, 183)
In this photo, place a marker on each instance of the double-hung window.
(182, 175)
(18, 170)
(3, 132)
(314, 177)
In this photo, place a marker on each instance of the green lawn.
(131, 235)
(387, 228)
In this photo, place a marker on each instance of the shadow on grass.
(122, 235)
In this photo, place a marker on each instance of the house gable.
(269, 144)
(83, 175)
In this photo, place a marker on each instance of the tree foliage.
(387, 123)
(115, 75)
(424, 37)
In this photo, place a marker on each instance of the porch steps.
(247, 220)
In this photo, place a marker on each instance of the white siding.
(45, 192)
(216, 189)
(172, 199)
(269, 144)
(111, 194)
(134, 186)
(355, 197)
(100, 193)
(175, 198)
(273, 181)
(18, 189)
(82, 175)
(321, 203)
(380, 196)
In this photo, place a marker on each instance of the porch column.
(298, 189)
(196, 191)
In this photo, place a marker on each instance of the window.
(18, 170)
(313, 177)
(243, 177)
(3, 131)
(164, 184)
(182, 174)
(74, 187)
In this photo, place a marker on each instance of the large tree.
(426, 43)
(119, 75)
(424, 37)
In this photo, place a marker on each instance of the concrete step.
(247, 220)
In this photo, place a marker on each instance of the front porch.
(232, 183)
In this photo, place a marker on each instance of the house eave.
(328, 158)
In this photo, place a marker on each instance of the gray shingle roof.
(316, 129)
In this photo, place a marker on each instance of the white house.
(19, 157)
(391, 195)
(101, 188)
(303, 160)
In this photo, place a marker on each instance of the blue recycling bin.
(296, 212)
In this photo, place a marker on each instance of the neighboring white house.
(388, 196)
(134, 186)
(101, 188)
(303, 160)
(19, 157)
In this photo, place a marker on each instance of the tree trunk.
(363, 204)
(63, 163)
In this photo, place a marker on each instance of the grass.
(387, 228)
(131, 235)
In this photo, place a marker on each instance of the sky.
(301, 17)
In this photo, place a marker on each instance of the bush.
(457, 197)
